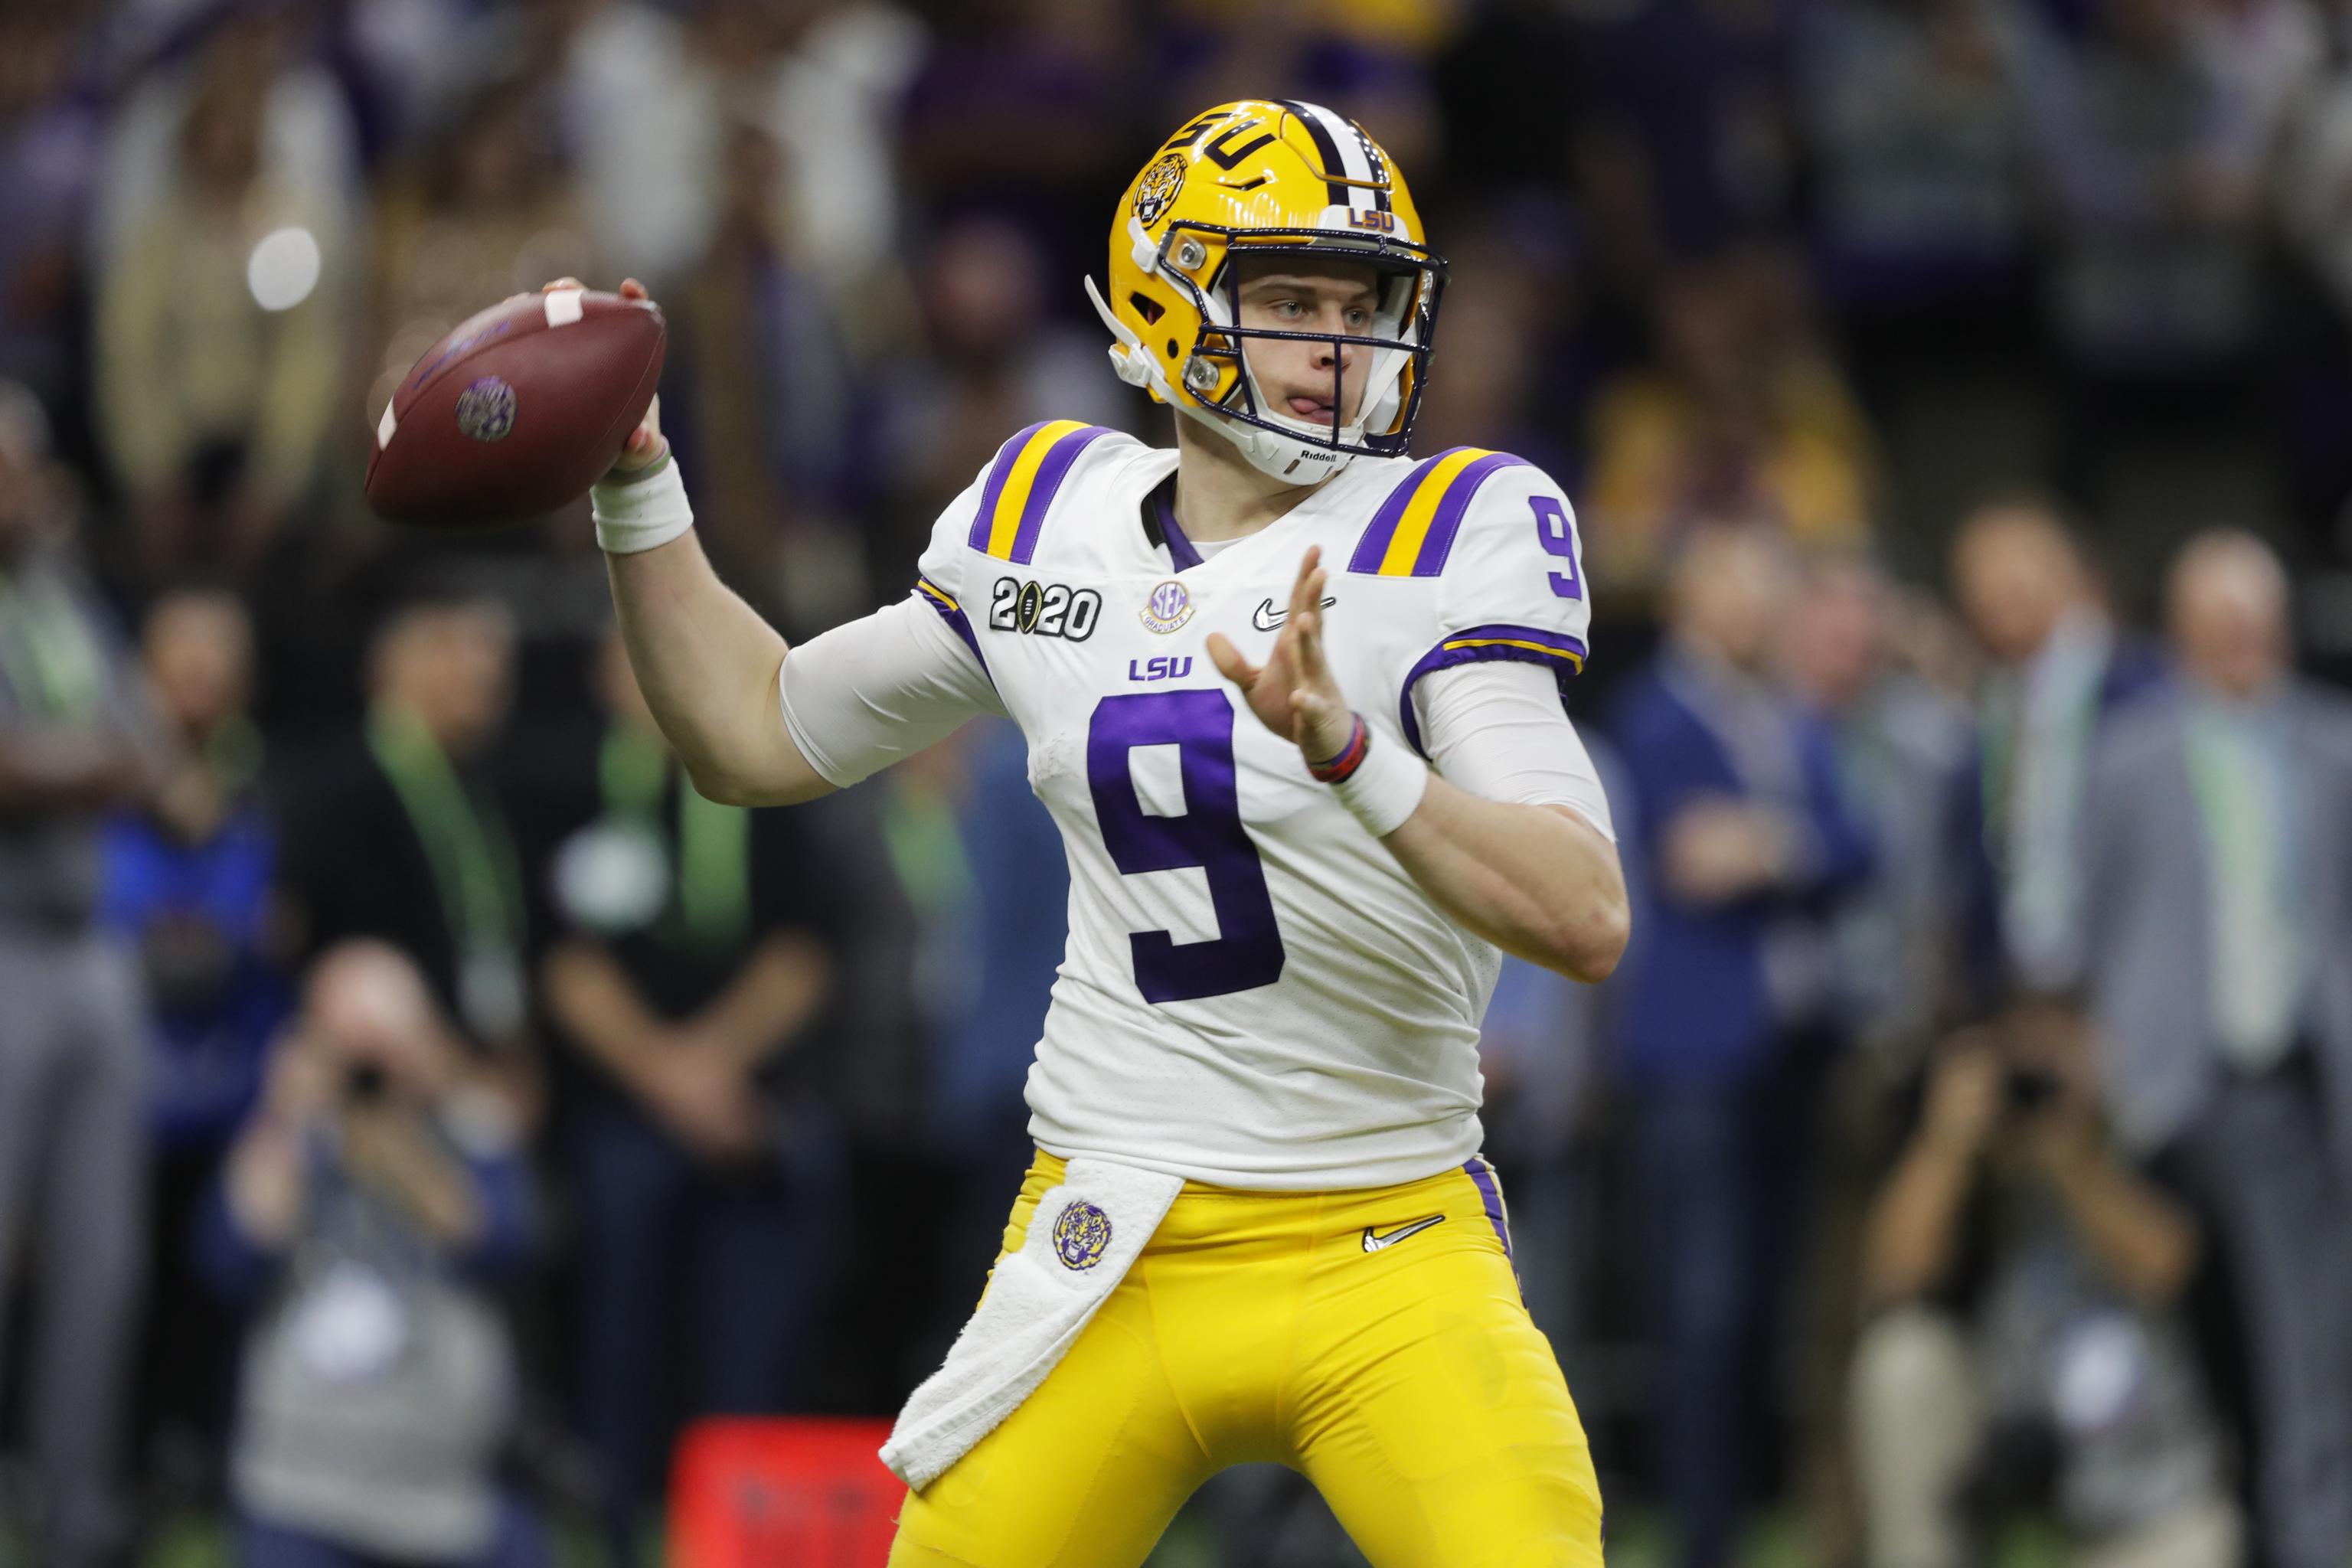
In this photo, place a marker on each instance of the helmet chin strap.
(1270, 452)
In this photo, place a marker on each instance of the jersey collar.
(1160, 527)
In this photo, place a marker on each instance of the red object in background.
(518, 410)
(765, 1493)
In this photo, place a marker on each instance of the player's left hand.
(1294, 692)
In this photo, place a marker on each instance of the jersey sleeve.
(864, 694)
(868, 692)
(1501, 539)
(939, 575)
(1497, 730)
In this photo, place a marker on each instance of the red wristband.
(1350, 757)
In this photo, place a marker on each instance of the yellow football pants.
(1404, 1378)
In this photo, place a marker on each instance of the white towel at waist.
(1082, 1239)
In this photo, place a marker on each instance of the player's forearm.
(1538, 881)
(707, 663)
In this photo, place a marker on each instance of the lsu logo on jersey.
(1081, 1235)
(1161, 669)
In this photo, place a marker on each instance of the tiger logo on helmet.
(1264, 177)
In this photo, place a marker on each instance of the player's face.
(1293, 294)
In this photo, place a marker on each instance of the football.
(517, 411)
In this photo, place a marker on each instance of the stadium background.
(1828, 272)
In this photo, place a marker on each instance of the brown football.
(518, 410)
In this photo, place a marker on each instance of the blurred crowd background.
(414, 1103)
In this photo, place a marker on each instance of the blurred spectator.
(49, 139)
(1513, 314)
(764, 410)
(396, 830)
(1688, 100)
(1742, 417)
(362, 1212)
(220, 339)
(2315, 169)
(1744, 845)
(990, 998)
(2313, 194)
(1366, 59)
(649, 101)
(2219, 882)
(489, 213)
(1921, 200)
(406, 57)
(75, 741)
(2152, 148)
(845, 69)
(904, 927)
(1901, 746)
(996, 364)
(188, 885)
(993, 919)
(2060, 669)
(1542, 1051)
(307, 143)
(686, 964)
(1029, 110)
(2027, 1346)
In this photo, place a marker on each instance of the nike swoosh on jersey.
(1375, 1240)
(1266, 618)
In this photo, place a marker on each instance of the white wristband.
(641, 510)
(1386, 786)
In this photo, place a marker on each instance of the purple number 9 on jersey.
(1559, 538)
(1247, 952)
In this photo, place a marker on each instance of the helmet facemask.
(1222, 390)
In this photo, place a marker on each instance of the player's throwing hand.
(645, 446)
(1294, 692)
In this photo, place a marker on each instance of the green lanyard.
(472, 860)
(51, 660)
(714, 841)
(925, 847)
(2230, 798)
(1998, 780)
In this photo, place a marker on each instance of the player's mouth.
(1313, 408)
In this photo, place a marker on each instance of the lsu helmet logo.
(1158, 188)
(1081, 1235)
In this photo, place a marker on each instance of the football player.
(1294, 698)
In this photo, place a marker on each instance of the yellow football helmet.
(1269, 179)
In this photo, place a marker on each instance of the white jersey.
(1255, 995)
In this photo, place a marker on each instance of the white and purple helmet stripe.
(1348, 156)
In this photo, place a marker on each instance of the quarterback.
(1293, 698)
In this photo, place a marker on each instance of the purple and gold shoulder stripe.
(942, 601)
(1561, 653)
(1413, 532)
(1022, 483)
